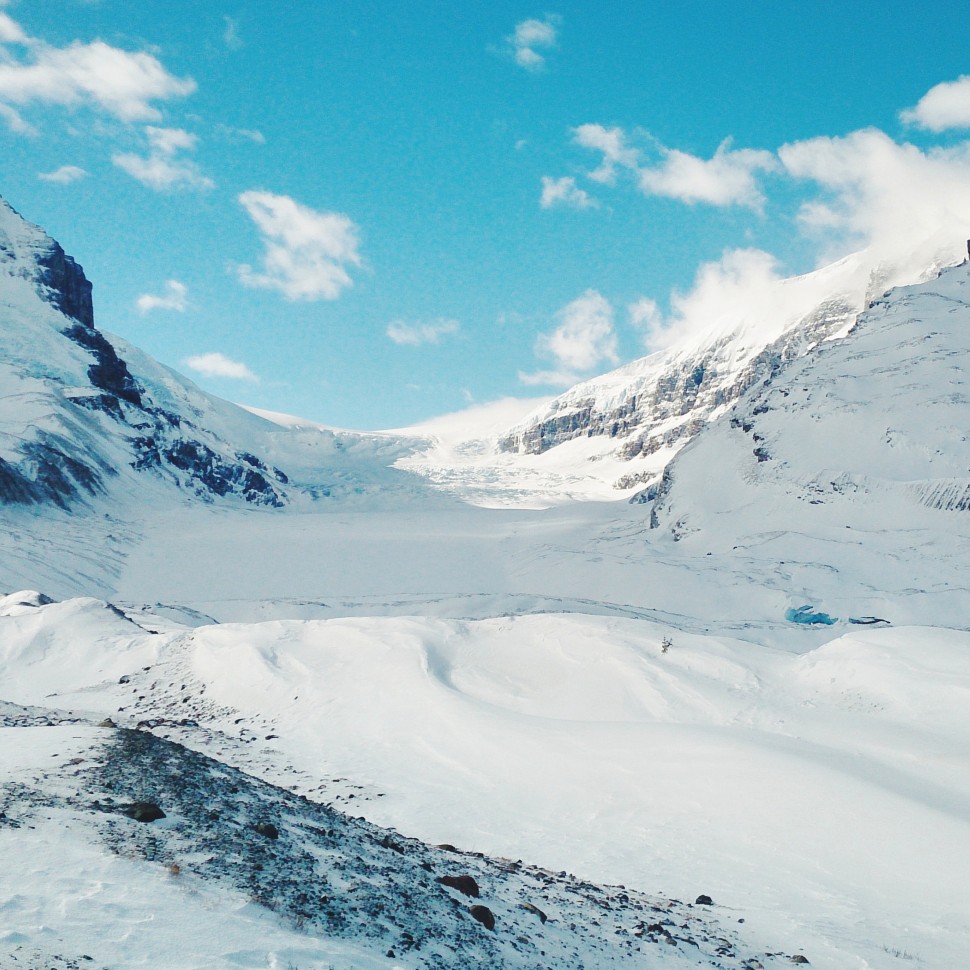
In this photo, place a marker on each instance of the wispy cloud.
(218, 365)
(174, 298)
(944, 106)
(307, 252)
(416, 334)
(645, 316)
(64, 175)
(163, 168)
(240, 134)
(11, 32)
(124, 84)
(613, 144)
(584, 339)
(15, 121)
(230, 36)
(564, 192)
(530, 38)
(877, 193)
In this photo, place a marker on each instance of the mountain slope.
(84, 414)
(652, 407)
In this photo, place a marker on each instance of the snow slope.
(796, 790)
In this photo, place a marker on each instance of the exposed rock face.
(70, 288)
(671, 396)
(86, 417)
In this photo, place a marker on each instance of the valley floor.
(559, 686)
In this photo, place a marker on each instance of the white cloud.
(564, 192)
(584, 339)
(230, 36)
(612, 143)
(532, 36)
(174, 298)
(744, 285)
(725, 179)
(218, 365)
(241, 134)
(307, 252)
(879, 194)
(415, 334)
(946, 105)
(162, 169)
(644, 315)
(11, 32)
(728, 178)
(122, 83)
(15, 121)
(64, 175)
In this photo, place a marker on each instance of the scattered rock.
(388, 843)
(703, 900)
(484, 916)
(464, 884)
(798, 958)
(267, 829)
(446, 847)
(107, 722)
(143, 811)
(529, 908)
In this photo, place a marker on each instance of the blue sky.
(370, 213)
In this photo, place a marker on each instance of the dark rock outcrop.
(100, 410)
(71, 291)
(464, 884)
(484, 916)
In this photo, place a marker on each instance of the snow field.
(822, 796)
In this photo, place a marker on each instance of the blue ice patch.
(809, 616)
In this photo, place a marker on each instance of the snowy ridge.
(653, 406)
(876, 421)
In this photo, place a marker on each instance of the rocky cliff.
(74, 416)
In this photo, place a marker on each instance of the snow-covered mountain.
(727, 730)
(871, 426)
(85, 414)
(650, 408)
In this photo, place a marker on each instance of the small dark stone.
(267, 829)
(143, 811)
(798, 958)
(464, 884)
(447, 847)
(529, 908)
(484, 916)
(703, 900)
(388, 843)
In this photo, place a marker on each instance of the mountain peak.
(26, 250)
